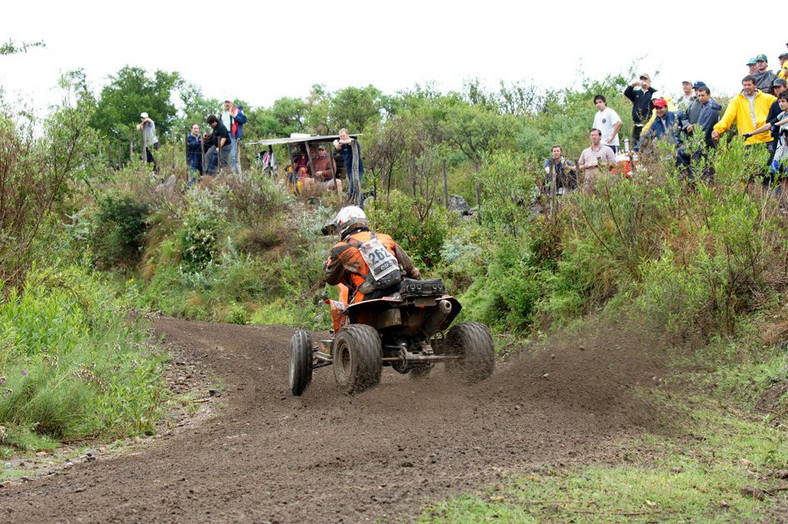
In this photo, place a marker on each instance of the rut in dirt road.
(326, 457)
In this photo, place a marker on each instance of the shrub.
(201, 224)
(119, 231)
(418, 226)
(508, 191)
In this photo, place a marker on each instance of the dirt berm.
(329, 457)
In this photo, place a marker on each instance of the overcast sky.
(260, 51)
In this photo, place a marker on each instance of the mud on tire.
(357, 358)
(472, 342)
(300, 362)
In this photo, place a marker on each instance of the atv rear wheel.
(300, 362)
(357, 357)
(472, 342)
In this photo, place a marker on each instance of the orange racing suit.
(346, 265)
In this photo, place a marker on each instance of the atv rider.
(371, 265)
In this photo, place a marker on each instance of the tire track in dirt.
(326, 457)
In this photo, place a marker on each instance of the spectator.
(752, 64)
(665, 125)
(778, 87)
(560, 174)
(777, 163)
(228, 119)
(641, 104)
(749, 110)
(218, 154)
(325, 170)
(593, 159)
(783, 66)
(301, 165)
(764, 77)
(687, 96)
(351, 157)
(194, 153)
(781, 153)
(709, 114)
(608, 122)
(697, 140)
(689, 117)
(150, 140)
(239, 119)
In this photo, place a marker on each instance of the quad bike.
(404, 331)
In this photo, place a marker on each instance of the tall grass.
(70, 364)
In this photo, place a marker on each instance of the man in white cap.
(149, 138)
(687, 96)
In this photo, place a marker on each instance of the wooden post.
(144, 146)
(202, 156)
(131, 145)
(478, 197)
(553, 188)
(119, 151)
(309, 159)
(238, 155)
(445, 186)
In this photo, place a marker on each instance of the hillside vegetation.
(86, 240)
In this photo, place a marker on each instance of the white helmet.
(350, 217)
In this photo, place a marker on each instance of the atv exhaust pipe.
(436, 319)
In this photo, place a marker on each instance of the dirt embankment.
(326, 457)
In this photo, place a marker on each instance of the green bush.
(508, 189)
(507, 296)
(202, 221)
(254, 199)
(419, 227)
(119, 231)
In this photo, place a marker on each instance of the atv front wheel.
(357, 357)
(472, 342)
(300, 362)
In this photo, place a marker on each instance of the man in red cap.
(665, 125)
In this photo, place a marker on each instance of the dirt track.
(327, 457)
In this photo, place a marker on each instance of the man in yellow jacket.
(749, 109)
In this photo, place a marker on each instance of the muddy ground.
(264, 455)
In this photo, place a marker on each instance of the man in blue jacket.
(697, 139)
(194, 153)
(665, 125)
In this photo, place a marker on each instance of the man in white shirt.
(608, 122)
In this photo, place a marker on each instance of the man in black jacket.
(641, 104)
(218, 144)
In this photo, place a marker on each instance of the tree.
(355, 108)
(317, 104)
(11, 47)
(131, 92)
(195, 106)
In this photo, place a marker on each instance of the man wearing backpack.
(370, 264)
(239, 119)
